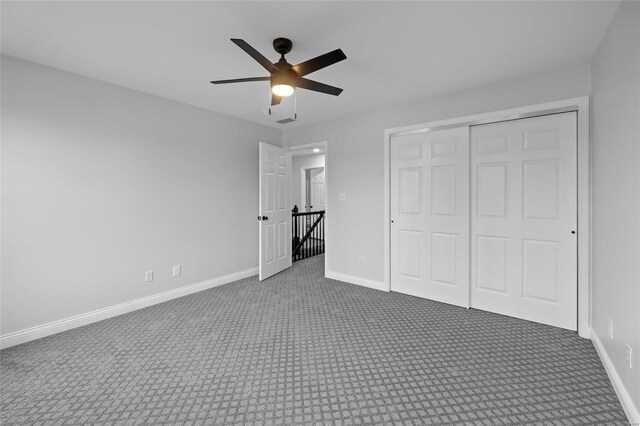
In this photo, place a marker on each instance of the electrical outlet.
(629, 357)
(361, 260)
(148, 276)
(610, 329)
(177, 270)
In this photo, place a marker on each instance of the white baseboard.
(33, 333)
(351, 279)
(625, 399)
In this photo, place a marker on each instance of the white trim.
(351, 279)
(581, 105)
(37, 332)
(584, 219)
(307, 146)
(633, 415)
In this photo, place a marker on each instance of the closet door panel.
(430, 215)
(524, 209)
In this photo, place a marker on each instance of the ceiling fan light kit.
(284, 77)
(282, 90)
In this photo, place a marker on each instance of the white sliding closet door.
(524, 218)
(430, 215)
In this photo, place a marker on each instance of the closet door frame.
(581, 106)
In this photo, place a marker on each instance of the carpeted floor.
(301, 349)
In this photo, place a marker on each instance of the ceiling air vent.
(286, 120)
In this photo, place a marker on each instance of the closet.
(485, 216)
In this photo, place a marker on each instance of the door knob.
(265, 218)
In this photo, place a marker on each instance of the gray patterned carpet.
(301, 349)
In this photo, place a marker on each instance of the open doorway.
(312, 194)
(308, 200)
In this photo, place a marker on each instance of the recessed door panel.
(491, 266)
(410, 190)
(491, 189)
(524, 209)
(410, 150)
(443, 190)
(541, 189)
(445, 146)
(270, 255)
(271, 192)
(490, 144)
(541, 138)
(409, 253)
(270, 158)
(282, 240)
(443, 258)
(317, 190)
(541, 270)
(283, 179)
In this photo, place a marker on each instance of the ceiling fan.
(285, 77)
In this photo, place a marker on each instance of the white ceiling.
(395, 50)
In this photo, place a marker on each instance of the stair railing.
(308, 234)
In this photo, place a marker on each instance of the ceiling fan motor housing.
(288, 77)
(282, 45)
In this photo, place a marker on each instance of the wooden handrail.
(306, 213)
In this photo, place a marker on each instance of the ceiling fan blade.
(255, 55)
(275, 99)
(241, 80)
(319, 62)
(305, 83)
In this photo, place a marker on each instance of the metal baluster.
(306, 244)
(322, 232)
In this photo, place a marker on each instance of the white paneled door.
(430, 215)
(317, 190)
(524, 219)
(486, 216)
(275, 210)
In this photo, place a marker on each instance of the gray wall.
(355, 158)
(616, 192)
(101, 183)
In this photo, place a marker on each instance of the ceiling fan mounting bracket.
(282, 45)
